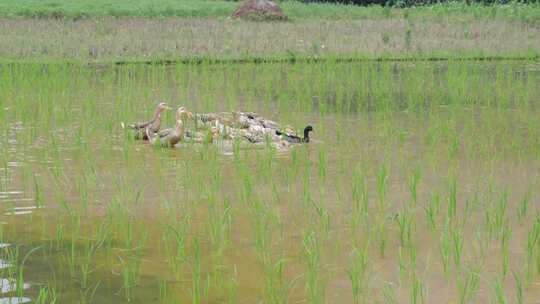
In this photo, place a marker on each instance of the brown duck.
(181, 113)
(168, 139)
(153, 125)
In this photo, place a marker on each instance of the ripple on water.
(18, 212)
(4, 264)
(21, 210)
(18, 200)
(15, 164)
(14, 300)
(9, 285)
(11, 195)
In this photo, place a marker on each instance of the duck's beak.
(189, 114)
(167, 108)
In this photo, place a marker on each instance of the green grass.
(294, 9)
(200, 32)
(98, 8)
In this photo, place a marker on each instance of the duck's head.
(162, 107)
(182, 112)
(306, 133)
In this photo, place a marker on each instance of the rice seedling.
(506, 234)
(197, 287)
(163, 293)
(175, 241)
(406, 226)
(457, 246)
(407, 160)
(446, 248)
(87, 295)
(389, 293)
(402, 266)
(432, 210)
(382, 180)
(523, 206)
(533, 237)
(499, 296)
(413, 185)
(452, 200)
(417, 290)
(360, 199)
(275, 287)
(47, 295)
(85, 265)
(314, 285)
(519, 288)
(358, 272)
(468, 286)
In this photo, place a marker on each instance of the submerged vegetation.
(420, 185)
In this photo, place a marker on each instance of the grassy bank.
(137, 39)
(295, 10)
(104, 31)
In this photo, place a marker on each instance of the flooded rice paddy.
(421, 185)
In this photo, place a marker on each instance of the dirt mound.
(259, 10)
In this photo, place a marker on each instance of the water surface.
(100, 218)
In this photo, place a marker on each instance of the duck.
(291, 137)
(266, 123)
(255, 134)
(248, 126)
(245, 120)
(240, 120)
(214, 135)
(199, 137)
(208, 119)
(167, 139)
(153, 125)
(252, 135)
(181, 114)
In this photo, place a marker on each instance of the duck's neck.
(306, 136)
(157, 115)
(179, 129)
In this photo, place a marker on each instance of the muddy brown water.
(251, 212)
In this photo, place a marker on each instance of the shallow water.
(100, 218)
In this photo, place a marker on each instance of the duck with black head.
(295, 139)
